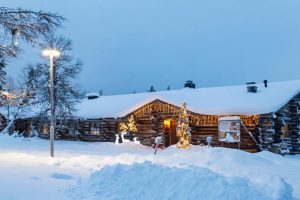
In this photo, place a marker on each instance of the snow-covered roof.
(229, 118)
(226, 100)
(92, 94)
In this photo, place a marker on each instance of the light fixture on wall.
(167, 123)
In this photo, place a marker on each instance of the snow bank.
(93, 170)
(151, 181)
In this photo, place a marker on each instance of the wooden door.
(169, 133)
(174, 138)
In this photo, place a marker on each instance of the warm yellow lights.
(130, 126)
(183, 130)
(195, 119)
(167, 123)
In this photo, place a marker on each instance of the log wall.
(105, 132)
(23, 126)
(281, 129)
(150, 119)
(268, 129)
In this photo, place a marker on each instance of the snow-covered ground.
(131, 171)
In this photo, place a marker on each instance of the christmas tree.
(183, 130)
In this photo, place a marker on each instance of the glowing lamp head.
(51, 52)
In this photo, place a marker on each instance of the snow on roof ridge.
(207, 87)
(221, 100)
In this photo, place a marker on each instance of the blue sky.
(130, 45)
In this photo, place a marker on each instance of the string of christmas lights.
(195, 119)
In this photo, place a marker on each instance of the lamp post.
(51, 53)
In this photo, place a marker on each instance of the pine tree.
(183, 130)
(151, 89)
(169, 87)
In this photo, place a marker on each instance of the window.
(95, 128)
(45, 129)
(286, 131)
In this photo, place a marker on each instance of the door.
(169, 132)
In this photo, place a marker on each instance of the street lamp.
(51, 53)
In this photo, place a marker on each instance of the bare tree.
(2, 74)
(26, 25)
(65, 70)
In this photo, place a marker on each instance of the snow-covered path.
(110, 171)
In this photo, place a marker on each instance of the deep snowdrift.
(151, 181)
(91, 170)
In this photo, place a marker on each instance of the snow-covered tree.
(65, 92)
(183, 130)
(2, 74)
(23, 24)
(17, 99)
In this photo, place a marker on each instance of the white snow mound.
(151, 181)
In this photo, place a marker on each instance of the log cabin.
(269, 113)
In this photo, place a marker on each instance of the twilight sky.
(128, 45)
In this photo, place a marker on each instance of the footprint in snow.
(61, 176)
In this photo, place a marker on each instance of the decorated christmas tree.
(183, 130)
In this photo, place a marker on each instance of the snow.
(229, 118)
(227, 100)
(131, 171)
(93, 94)
(160, 182)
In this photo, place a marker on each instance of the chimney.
(266, 83)
(251, 87)
(189, 84)
(90, 96)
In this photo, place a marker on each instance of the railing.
(251, 135)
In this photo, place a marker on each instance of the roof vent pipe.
(251, 87)
(266, 83)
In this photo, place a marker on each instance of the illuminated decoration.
(183, 130)
(130, 126)
(195, 119)
(45, 129)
